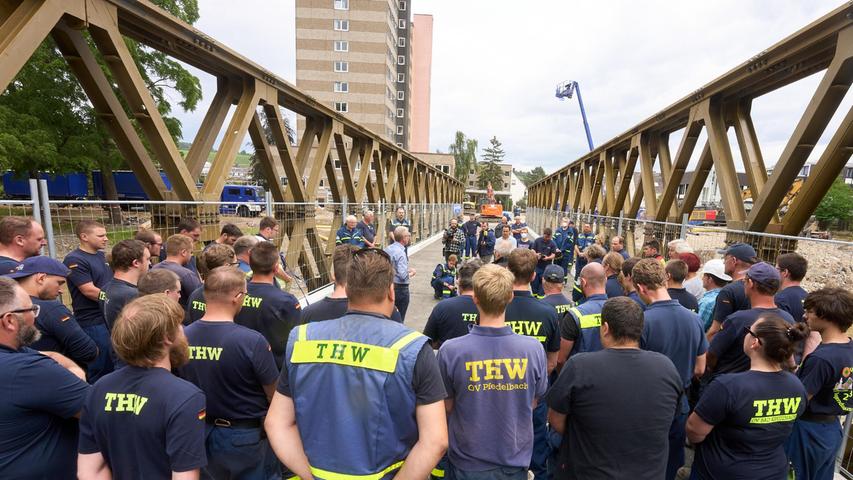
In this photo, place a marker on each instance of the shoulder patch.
(202, 414)
(73, 265)
(64, 318)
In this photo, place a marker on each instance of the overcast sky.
(496, 64)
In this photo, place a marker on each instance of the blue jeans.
(566, 264)
(470, 247)
(541, 445)
(239, 453)
(579, 264)
(401, 298)
(103, 363)
(500, 473)
(677, 435)
(536, 284)
(812, 447)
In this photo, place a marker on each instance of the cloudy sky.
(496, 64)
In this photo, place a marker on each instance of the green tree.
(256, 171)
(533, 176)
(464, 151)
(489, 170)
(48, 125)
(837, 205)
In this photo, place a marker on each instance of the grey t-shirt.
(493, 376)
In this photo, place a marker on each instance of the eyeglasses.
(35, 309)
(749, 331)
(365, 251)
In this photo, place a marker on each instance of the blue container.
(69, 186)
(127, 185)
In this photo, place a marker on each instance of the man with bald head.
(350, 233)
(579, 330)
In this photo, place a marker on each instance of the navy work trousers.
(470, 247)
(103, 363)
(812, 447)
(242, 453)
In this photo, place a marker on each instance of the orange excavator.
(490, 208)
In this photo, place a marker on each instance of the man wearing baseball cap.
(714, 278)
(42, 278)
(725, 354)
(553, 277)
(737, 259)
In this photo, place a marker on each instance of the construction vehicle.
(746, 195)
(489, 207)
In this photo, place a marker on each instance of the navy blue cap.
(39, 264)
(741, 251)
(553, 274)
(764, 273)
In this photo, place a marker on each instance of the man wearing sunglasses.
(38, 396)
(42, 278)
(348, 378)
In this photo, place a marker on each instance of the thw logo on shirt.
(525, 327)
(205, 353)
(493, 369)
(124, 402)
(253, 302)
(775, 410)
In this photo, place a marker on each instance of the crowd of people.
(178, 363)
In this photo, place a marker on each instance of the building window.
(341, 107)
(470, 184)
(401, 95)
(401, 23)
(342, 67)
(402, 5)
(341, 4)
(321, 182)
(337, 164)
(401, 77)
(342, 25)
(506, 186)
(401, 42)
(341, 87)
(506, 174)
(401, 59)
(399, 129)
(341, 46)
(400, 113)
(399, 144)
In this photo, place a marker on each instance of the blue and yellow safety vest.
(588, 318)
(353, 237)
(351, 384)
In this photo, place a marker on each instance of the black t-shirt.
(753, 414)
(426, 376)
(605, 395)
(8, 265)
(791, 300)
(272, 312)
(560, 303)
(114, 296)
(732, 298)
(827, 374)
(38, 401)
(146, 422)
(61, 333)
(86, 268)
(685, 298)
(727, 344)
(545, 248)
(195, 306)
(532, 317)
(451, 318)
(331, 308)
(230, 364)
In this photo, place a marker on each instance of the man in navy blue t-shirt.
(129, 261)
(453, 317)
(266, 308)
(39, 397)
(792, 269)
(179, 249)
(676, 272)
(725, 355)
(674, 331)
(141, 421)
(546, 250)
(235, 368)
(20, 238)
(89, 273)
(214, 257)
(42, 278)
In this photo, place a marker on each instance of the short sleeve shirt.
(674, 331)
(8, 265)
(114, 296)
(38, 400)
(230, 364)
(61, 333)
(189, 280)
(272, 312)
(753, 414)
(331, 308)
(727, 344)
(613, 288)
(451, 318)
(534, 318)
(791, 300)
(827, 374)
(86, 268)
(492, 373)
(685, 298)
(145, 422)
(196, 306)
(732, 298)
(542, 247)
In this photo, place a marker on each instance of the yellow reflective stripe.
(303, 333)
(577, 313)
(339, 352)
(327, 475)
(539, 337)
(592, 320)
(407, 339)
(437, 472)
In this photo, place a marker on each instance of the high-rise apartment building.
(354, 56)
(421, 80)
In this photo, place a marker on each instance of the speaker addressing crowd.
(520, 384)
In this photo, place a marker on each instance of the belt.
(818, 418)
(401, 285)
(244, 423)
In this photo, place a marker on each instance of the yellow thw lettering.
(791, 404)
(469, 317)
(474, 368)
(759, 404)
(774, 406)
(515, 367)
(205, 353)
(125, 402)
(493, 370)
(110, 398)
(198, 305)
(562, 308)
(102, 295)
(253, 302)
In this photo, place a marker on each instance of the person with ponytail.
(742, 421)
(827, 374)
(613, 269)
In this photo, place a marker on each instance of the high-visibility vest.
(351, 384)
(588, 318)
